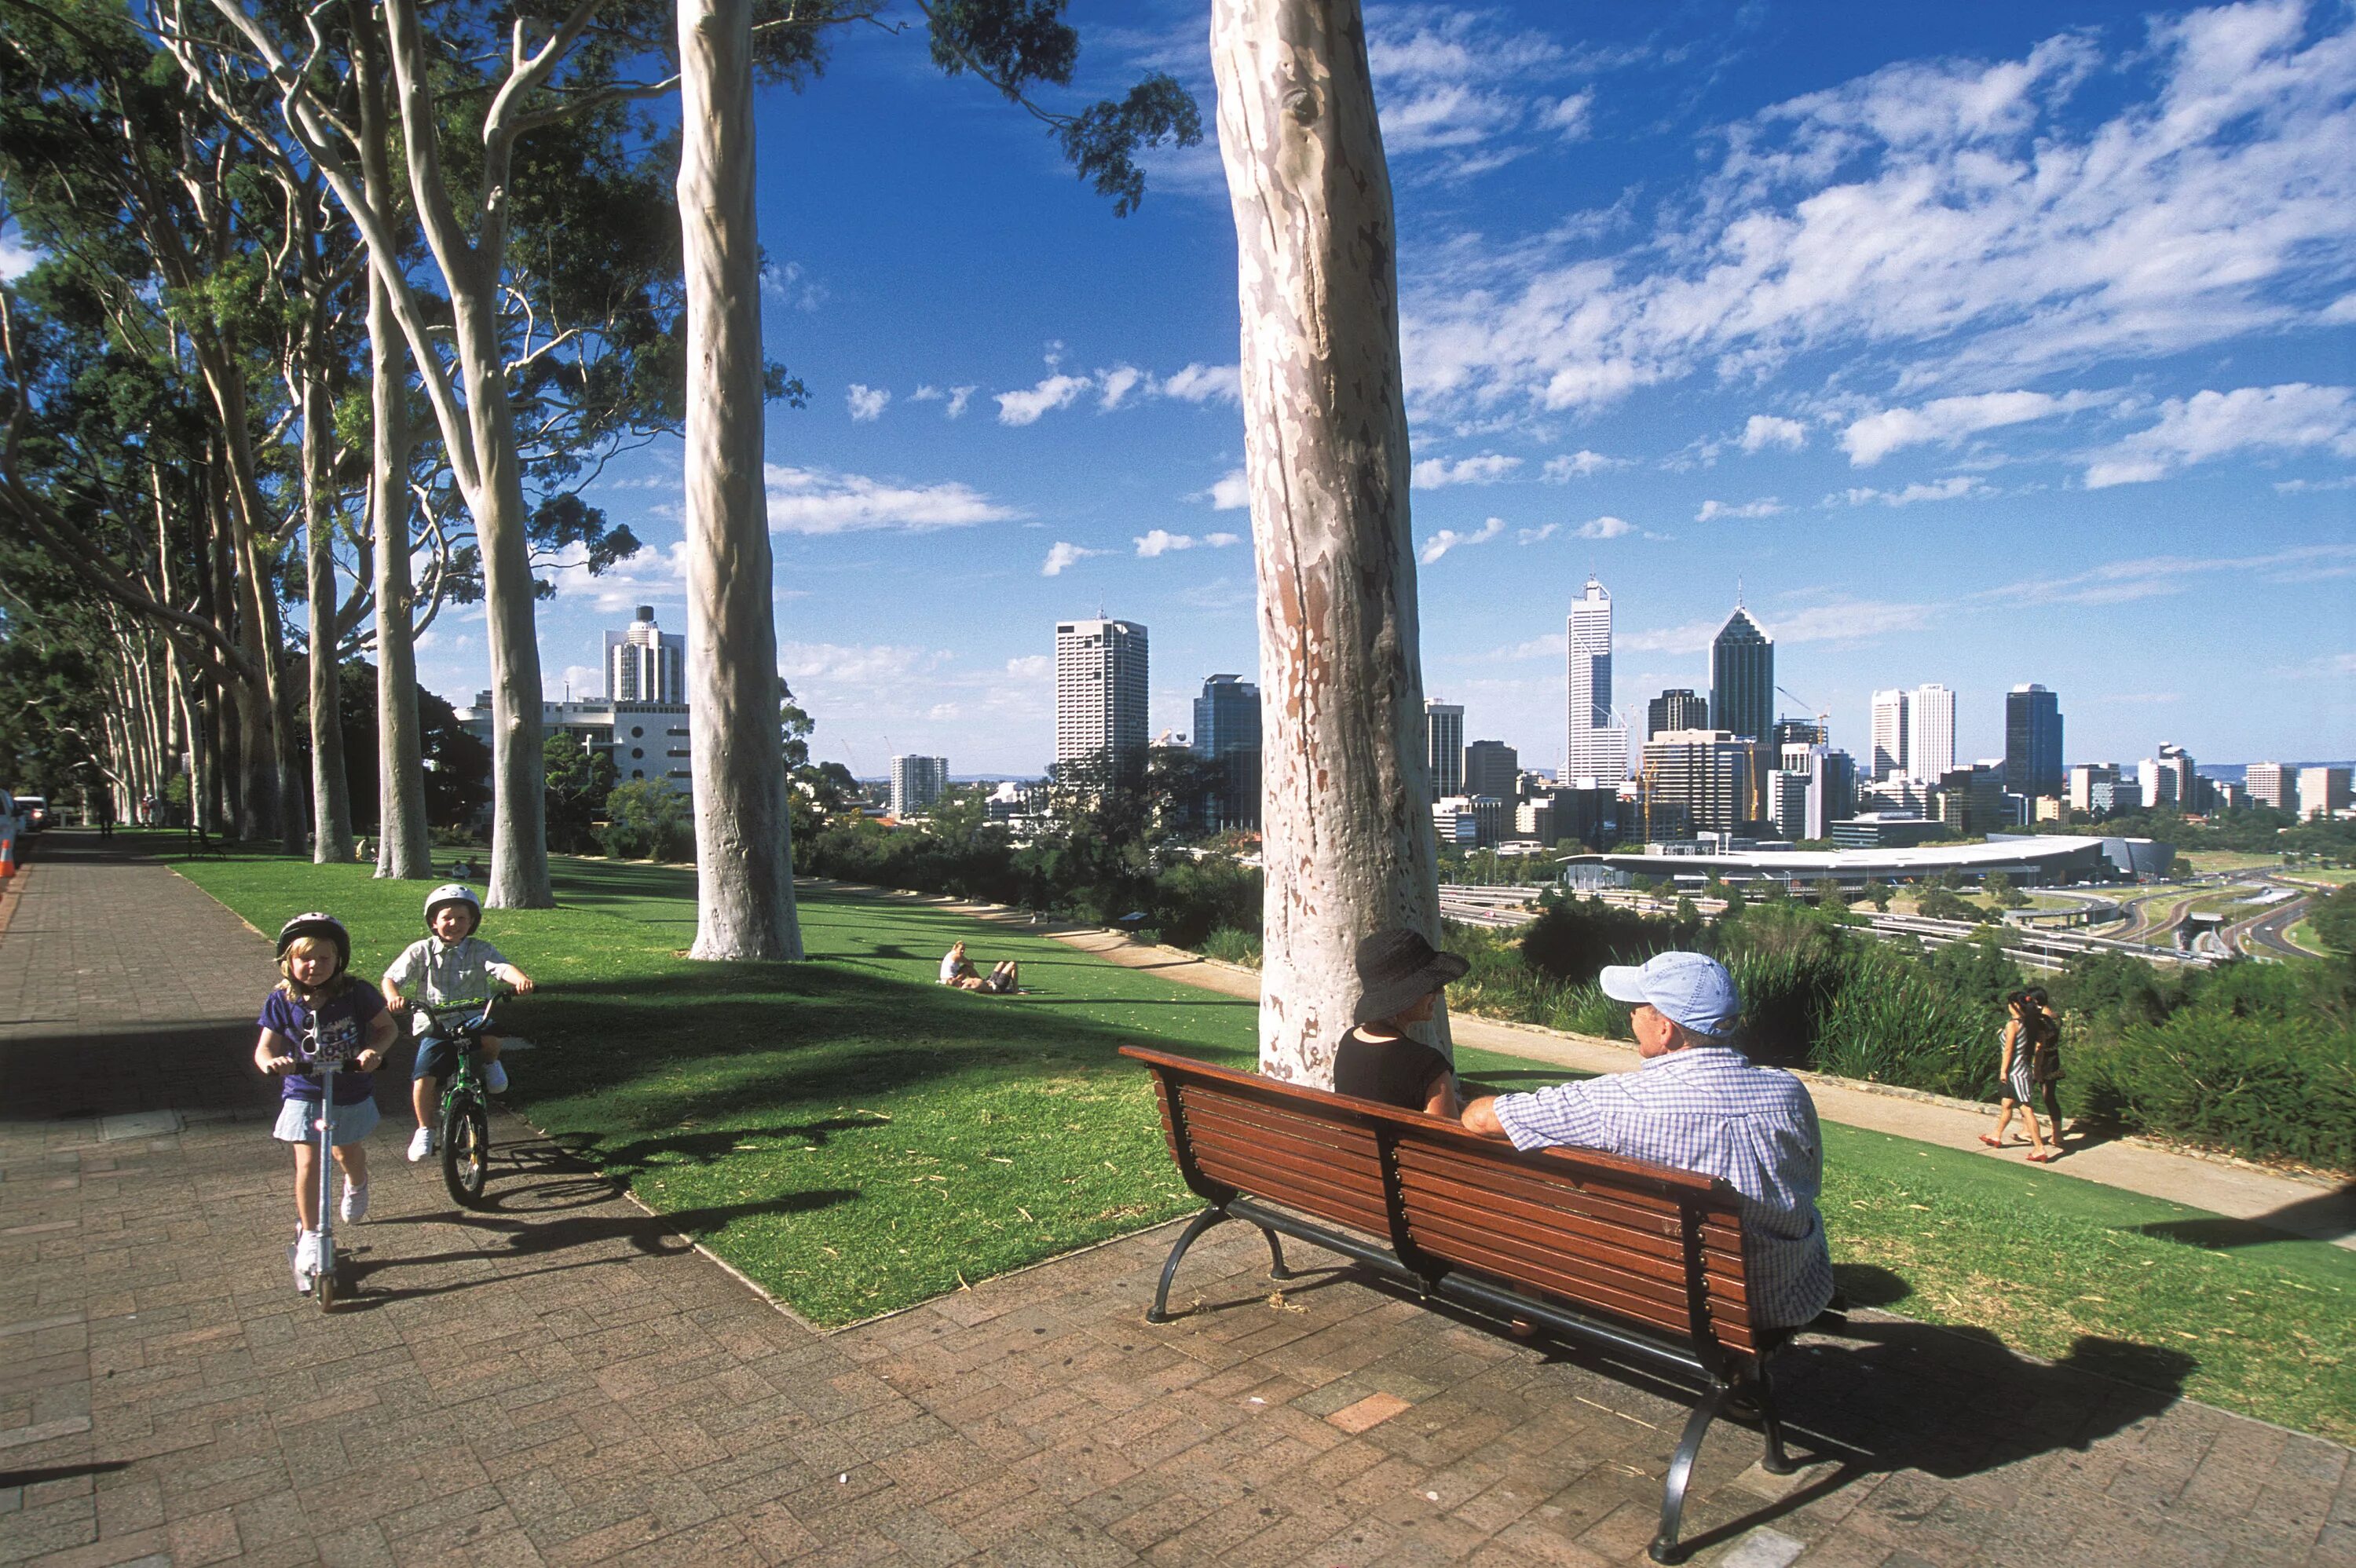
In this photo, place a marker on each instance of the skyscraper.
(1700, 777)
(2273, 784)
(1227, 731)
(1596, 749)
(2322, 791)
(1742, 679)
(917, 783)
(1100, 693)
(1887, 758)
(1930, 733)
(2032, 741)
(644, 663)
(1443, 747)
(1677, 709)
(1492, 767)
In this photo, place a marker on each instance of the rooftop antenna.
(1737, 590)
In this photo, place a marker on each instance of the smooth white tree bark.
(745, 885)
(1346, 822)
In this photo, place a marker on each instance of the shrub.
(646, 819)
(1232, 946)
(2261, 1087)
(1895, 1019)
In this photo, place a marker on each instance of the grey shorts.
(348, 1124)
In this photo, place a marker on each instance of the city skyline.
(2015, 454)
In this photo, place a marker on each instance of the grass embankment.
(856, 1138)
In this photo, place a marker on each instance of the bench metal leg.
(1771, 1426)
(1159, 1311)
(1665, 1548)
(1276, 1269)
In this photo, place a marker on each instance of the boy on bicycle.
(450, 964)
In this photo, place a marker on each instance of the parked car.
(33, 812)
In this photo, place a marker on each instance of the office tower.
(2322, 792)
(1800, 732)
(2169, 782)
(1492, 767)
(1101, 694)
(1226, 732)
(1887, 758)
(2032, 741)
(1596, 750)
(2079, 787)
(918, 783)
(1742, 679)
(2111, 796)
(1677, 710)
(1704, 777)
(1971, 801)
(1930, 732)
(644, 663)
(1443, 747)
(2273, 784)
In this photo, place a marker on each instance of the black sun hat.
(1397, 968)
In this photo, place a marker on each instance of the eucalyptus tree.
(1346, 827)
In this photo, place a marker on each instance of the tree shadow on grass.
(2326, 1217)
(635, 1157)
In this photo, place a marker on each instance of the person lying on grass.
(1399, 979)
(958, 970)
(1697, 1102)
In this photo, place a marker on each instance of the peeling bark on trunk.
(745, 885)
(1346, 827)
(331, 799)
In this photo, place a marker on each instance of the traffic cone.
(7, 855)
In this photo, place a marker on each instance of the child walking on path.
(2030, 1034)
(318, 1005)
(450, 964)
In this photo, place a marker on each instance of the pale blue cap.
(1689, 988)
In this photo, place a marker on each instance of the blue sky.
(1979, 344)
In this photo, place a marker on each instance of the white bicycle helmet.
(453, 893)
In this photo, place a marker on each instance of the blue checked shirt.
(1709, 1109)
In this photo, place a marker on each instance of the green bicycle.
(465, 1101)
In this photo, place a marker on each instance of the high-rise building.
(1492, 767)
(1800, 732)
(1887, 758)
(2078, 787)
(1970, 801)
(1930, 733)
(1703, 776)
(2032, 742)
(1742, 679)
(1101, 693)
(646, 664)
(1597, 749)
(2273, 784)
(918, 783)
(2169, 782)
(1443, 747)
(1226, 732)
(1677, 710)
(2323, 791)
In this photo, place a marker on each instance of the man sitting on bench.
(1698, 1104)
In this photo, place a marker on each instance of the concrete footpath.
(2318, 1209)
(561, 1377)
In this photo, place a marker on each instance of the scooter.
(327, 1286)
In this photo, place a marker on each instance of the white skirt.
(348, 1124)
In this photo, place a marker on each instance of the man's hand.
(1481, 1117)
(394, 1001)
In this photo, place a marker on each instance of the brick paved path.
(560, 1380)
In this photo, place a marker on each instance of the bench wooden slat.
(1497, 1190)
(1347, 1142)
(1431, 1208)
(1283, 1180)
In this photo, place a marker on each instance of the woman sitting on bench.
(1400, 978)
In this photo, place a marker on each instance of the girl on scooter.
(319, 1005)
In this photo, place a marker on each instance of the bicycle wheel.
(465, 1151)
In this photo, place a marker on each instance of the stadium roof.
(2041, 853)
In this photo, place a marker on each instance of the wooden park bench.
(1639, 1262)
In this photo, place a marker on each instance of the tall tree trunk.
(404, 847)
(331, 796)
(745, 885)
(1346, 830)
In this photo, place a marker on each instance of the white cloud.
(2326, 667)
(792, 285)
(1434, 473)
(867, 403)
(1848, 621)
(1162, 541)
(1948, 420)
(1054, 392)
(1199, 383)
(1762, 431)
(1032, 666)
(1533, 536)
(819, 501)
(1221, 541)
(2306, 487)
(1227, 493)
(1963, 220)
(652, 576)
(1578, 465)
(1446, 539)
(2339, 313)
(1115, 384)
(1712, 510)
(1462, 94)
(2153, 577)
(1955, 486)
(1693, 637)
(17, 258)
(2208, 425)
(860, 664)
(1606, 528)
(1065, 555)
(1570, 117)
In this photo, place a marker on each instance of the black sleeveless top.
(1395, 1072)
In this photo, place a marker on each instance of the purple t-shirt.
(343, 1032)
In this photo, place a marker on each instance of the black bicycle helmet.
(317, 924)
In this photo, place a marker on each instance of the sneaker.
(306, 1257)
(421, 1143)
(495, 1077)
(355, 1204)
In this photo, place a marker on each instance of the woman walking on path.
(2045, 1061)
(2030, 1022)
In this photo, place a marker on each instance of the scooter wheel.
(328, 1288)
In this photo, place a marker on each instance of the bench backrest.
(1641, 1244)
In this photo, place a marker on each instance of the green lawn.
(856, 1138)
